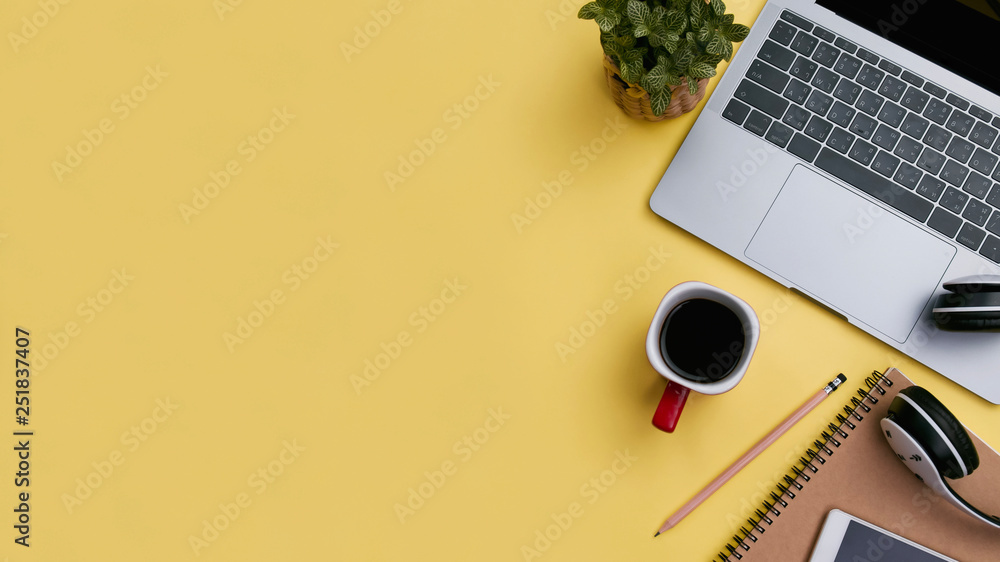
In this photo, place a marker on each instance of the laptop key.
(825, 80)
(914, 125)
(767, 76)
(930, 187)
(841, 114)
(954, 200)
(819, 102)
(991, 248)
(983, 134)
(954, 173)
(826, 54)
(891, 114)
(803, 147)
(980, 113)
(890, 67)
(823, 34)
(959, 123)
(908, 149)
(912, 78)
(892, 88)
(847, 65)
(803, 69)
(840, 140)
(885, 163)
(931, 160)
(937, 137)
(978, 185)
(970, 236)
(736, 111)
(847, 91)
(804, 43)
(797, 20)
(761, 98)
(977, 212)
(914, 99)
(885, 137)
(945, 222)
(795, 117)
(994, 197)
(782, 33)
(863, 152)
(993, 225)
(908, 176)
(845, 45)
(779, 134)
(868, 56)
(870, 76)
(959, 149)
(863, 126)
(935, 90)
(937, 111)
(983, 162)
(818, 128)
(797, 91)
(875, 185)
(757, 123)
(869, 102)
(957, 102)
(776, 54)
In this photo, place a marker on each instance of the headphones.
(973, 303)
(933, 444)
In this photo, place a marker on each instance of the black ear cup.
(913, 418)
(968, 311)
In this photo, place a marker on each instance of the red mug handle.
(670, 407)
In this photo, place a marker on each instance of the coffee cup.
(701, 338)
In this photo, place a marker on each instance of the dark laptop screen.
(960, 35)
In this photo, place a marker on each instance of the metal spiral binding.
(764, 517)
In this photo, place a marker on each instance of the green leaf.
(632, 72)
(659, 101)
(655, 79)
(675, 21)
(692, 87)
(638, 13)
(726, 20)
(717, 44)
(589, 11)
(658, 35)
(718, 7)
(736, 32)
(700, 70)
(704, 32)
(608, 20)
(671, 41)
(696, 10)
(683, 57)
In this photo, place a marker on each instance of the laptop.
(850, 152)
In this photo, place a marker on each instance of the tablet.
(846, 538)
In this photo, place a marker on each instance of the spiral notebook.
(851, 467)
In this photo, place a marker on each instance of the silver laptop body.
(794, 217)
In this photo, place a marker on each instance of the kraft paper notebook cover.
(853, 469)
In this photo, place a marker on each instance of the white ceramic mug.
(679, 384)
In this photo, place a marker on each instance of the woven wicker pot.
(634, 100)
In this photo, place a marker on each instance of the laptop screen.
(949, 32)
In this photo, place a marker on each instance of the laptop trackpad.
(850, 254)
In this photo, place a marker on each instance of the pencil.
(752, 453)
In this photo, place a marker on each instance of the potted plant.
(659, 54)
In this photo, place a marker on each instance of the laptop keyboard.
(884, 130)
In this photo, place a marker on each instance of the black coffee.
(702, 340)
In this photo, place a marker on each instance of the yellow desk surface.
(362, 281)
